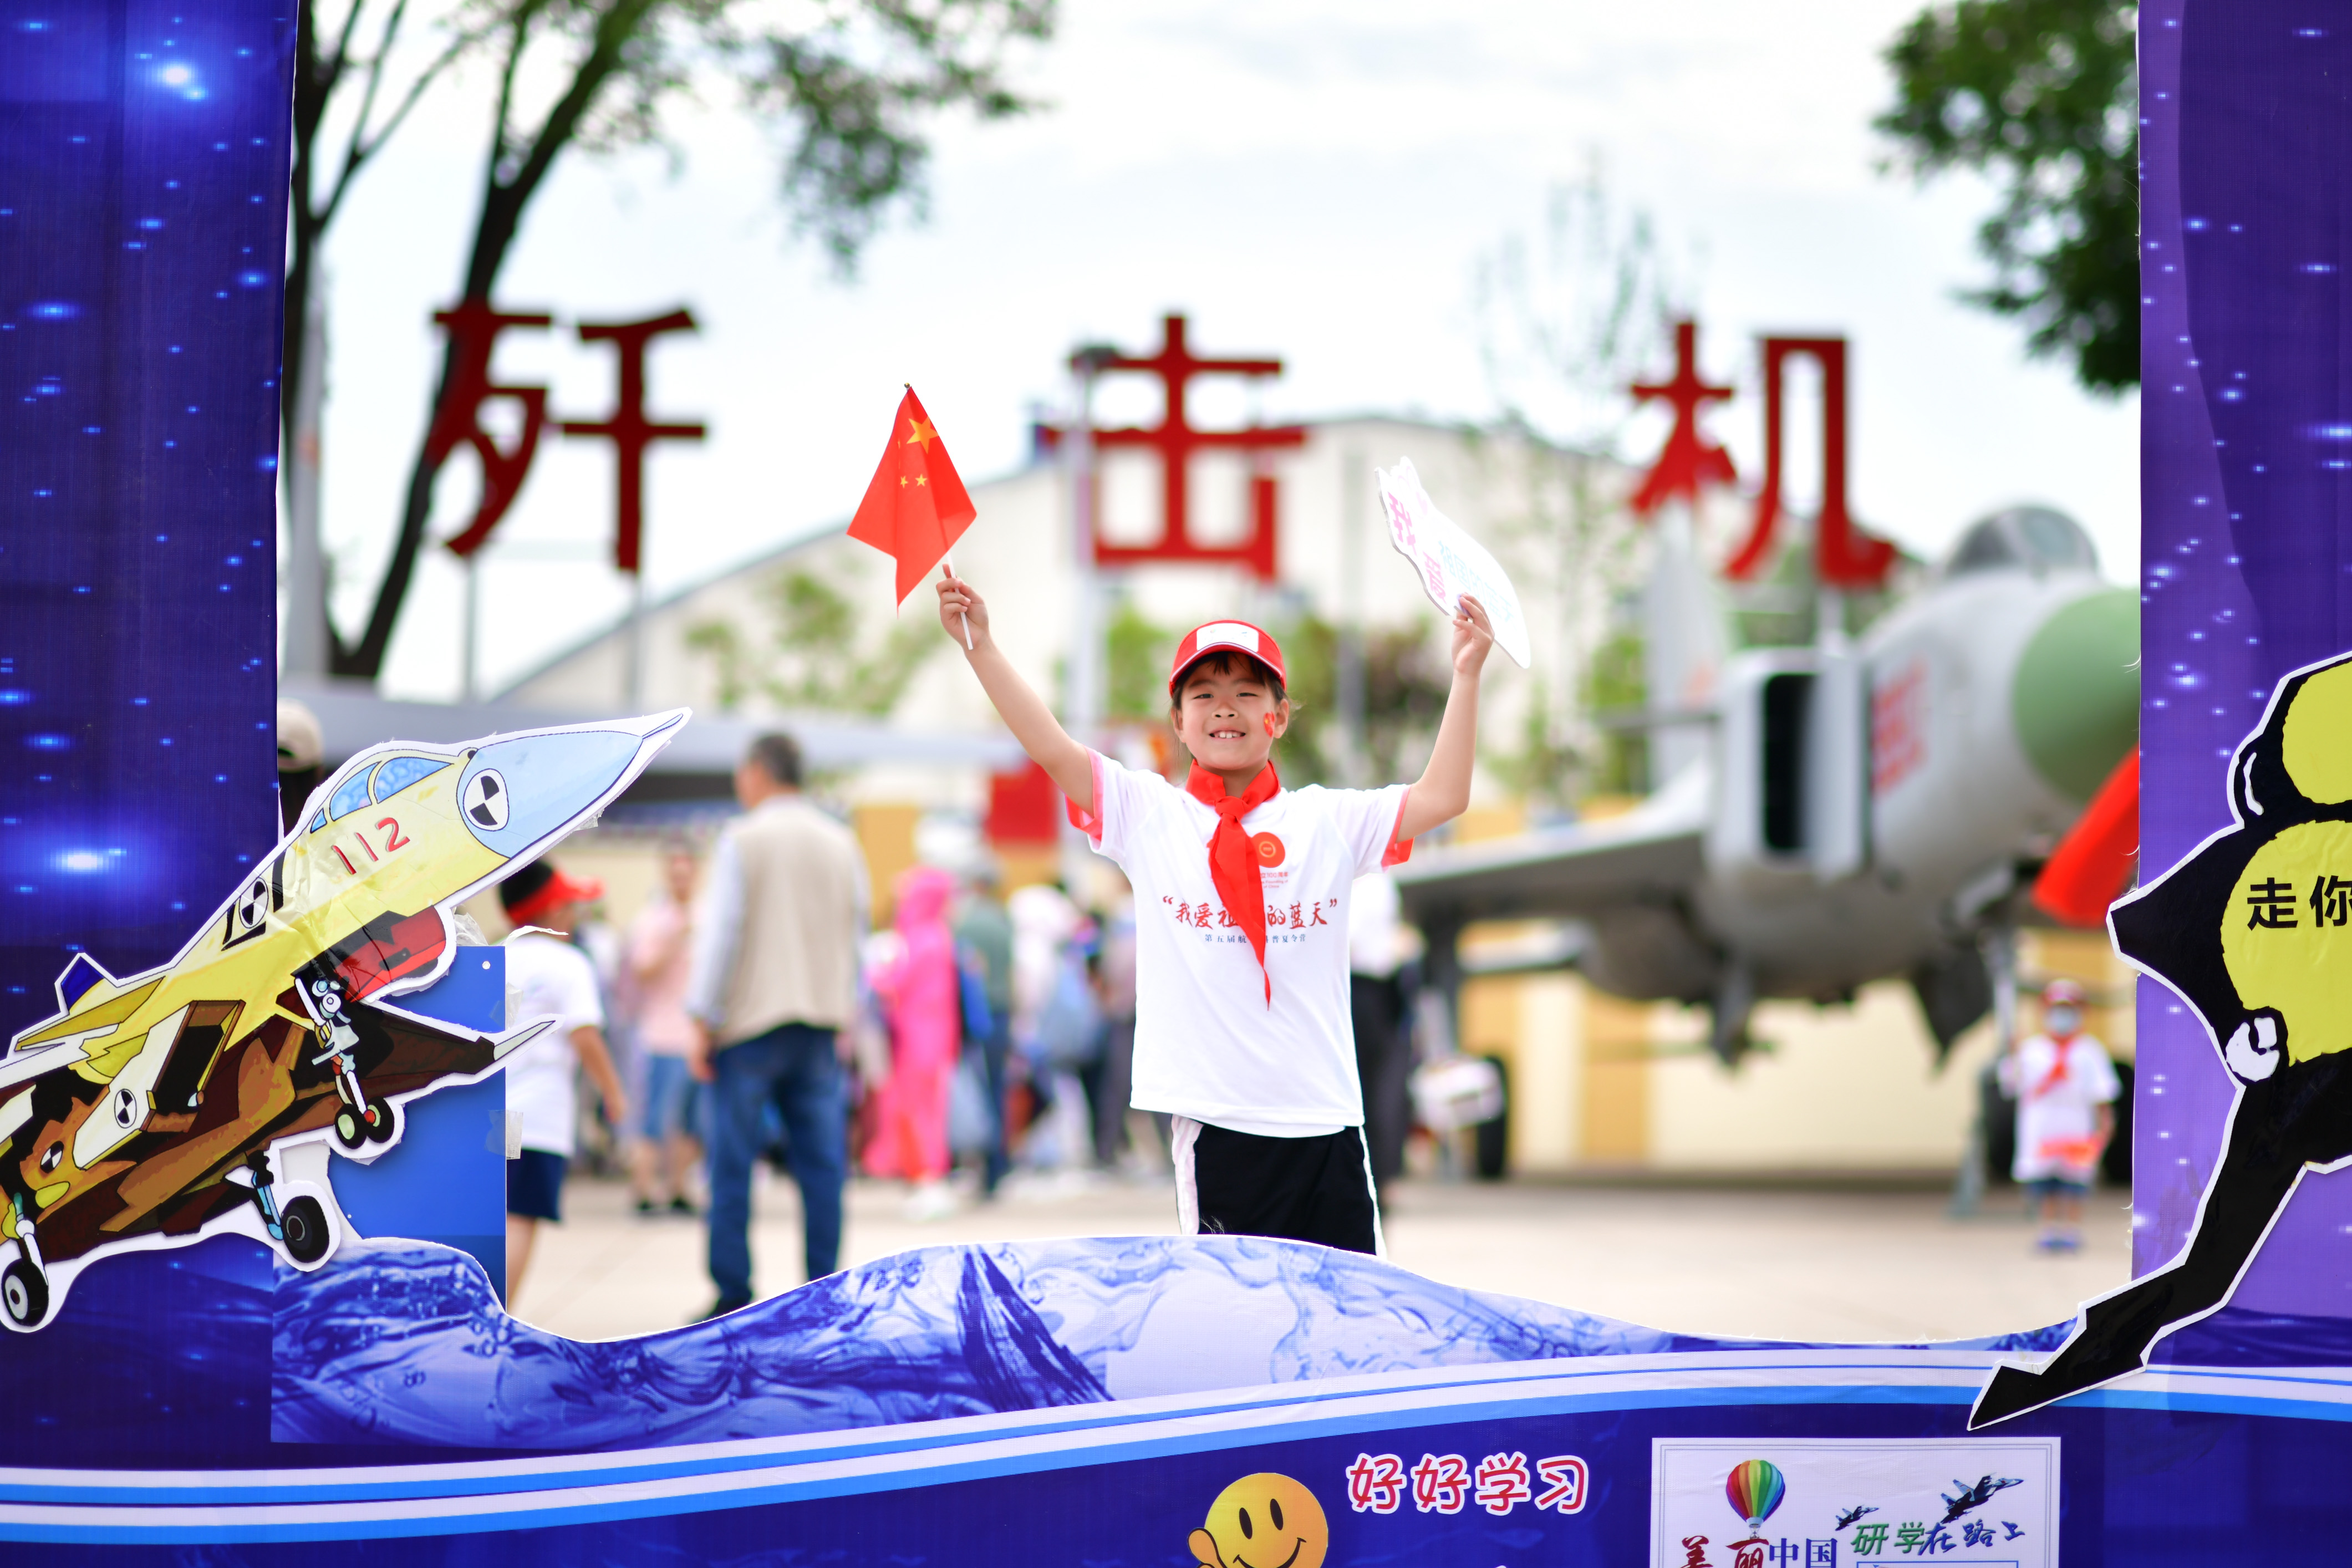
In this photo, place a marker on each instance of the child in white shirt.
(1243, 1032)
(2066, 1090)
(549, 977)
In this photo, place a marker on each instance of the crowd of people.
(754, 1014)
(747, 1013)
(976, 1032)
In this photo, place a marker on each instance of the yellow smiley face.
(1263, 1521)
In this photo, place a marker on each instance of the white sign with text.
(1449, 561)
(1763, 1502)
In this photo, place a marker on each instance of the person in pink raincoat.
(921, 992)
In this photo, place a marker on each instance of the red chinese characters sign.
(1844, 556)
(1176, 440)
(474, 327)
(1689, 461)
(628, 428)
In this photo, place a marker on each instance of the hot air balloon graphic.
(1753, 1490)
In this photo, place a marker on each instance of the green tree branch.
(849, 84)
(2042, 97)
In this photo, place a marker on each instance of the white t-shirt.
(2058, 1106)
(1379, 942)
(547, 977)
(1207, 1043)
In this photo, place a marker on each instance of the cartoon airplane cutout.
(144, 1114)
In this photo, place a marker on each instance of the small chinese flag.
(915, 509)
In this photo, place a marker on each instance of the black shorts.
(535, 1184)
(1296, 1189)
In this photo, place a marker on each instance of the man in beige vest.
(774, 980)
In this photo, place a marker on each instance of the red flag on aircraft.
(917, 508)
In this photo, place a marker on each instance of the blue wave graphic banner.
(1085, 1399)
(400, 1344)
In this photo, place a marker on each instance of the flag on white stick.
(1449, 561)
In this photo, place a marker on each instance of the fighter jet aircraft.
(145, 1112)
(1847, 812)
(1971, 1498)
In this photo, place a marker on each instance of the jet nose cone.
(519, 792)
(2075, 700)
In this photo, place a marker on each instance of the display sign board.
(1745, 1503)
(1449, 563)
(222, 1392)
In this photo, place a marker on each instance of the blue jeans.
(663, 1104)
(791, 1067)
(996, 1053)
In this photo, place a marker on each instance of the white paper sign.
(1449, 561)
(1854, 1502)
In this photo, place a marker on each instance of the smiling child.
(1243, 1031)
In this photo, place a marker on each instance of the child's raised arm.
(1443, 790)
(1066, 762)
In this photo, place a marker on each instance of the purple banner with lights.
(2246, 498)
(142, 224)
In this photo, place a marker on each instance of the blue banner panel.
(447, 1182)
(1093, 1403)
(143, 154)
(165, 1360)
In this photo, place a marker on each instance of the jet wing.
(1654, 853)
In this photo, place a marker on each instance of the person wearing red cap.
(1242, 1033)
(548, 977)
(2065, 1087)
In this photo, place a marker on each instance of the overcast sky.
(1305, 178)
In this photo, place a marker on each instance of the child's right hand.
(960, 603)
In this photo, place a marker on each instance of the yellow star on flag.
(918, 433)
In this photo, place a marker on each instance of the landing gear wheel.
(350, 1130)
(24, 1294)
(304, 1224)
(383, 1123)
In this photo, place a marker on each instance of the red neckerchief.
(1233, 861)
(2057, 1074)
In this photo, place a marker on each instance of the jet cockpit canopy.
(2033, 539)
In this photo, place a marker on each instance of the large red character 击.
(1176, 439)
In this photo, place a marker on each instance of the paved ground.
(1843, 1264)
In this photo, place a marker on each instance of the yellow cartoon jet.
(142, 1114)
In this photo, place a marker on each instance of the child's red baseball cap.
(1216, 636)
(539, 886)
